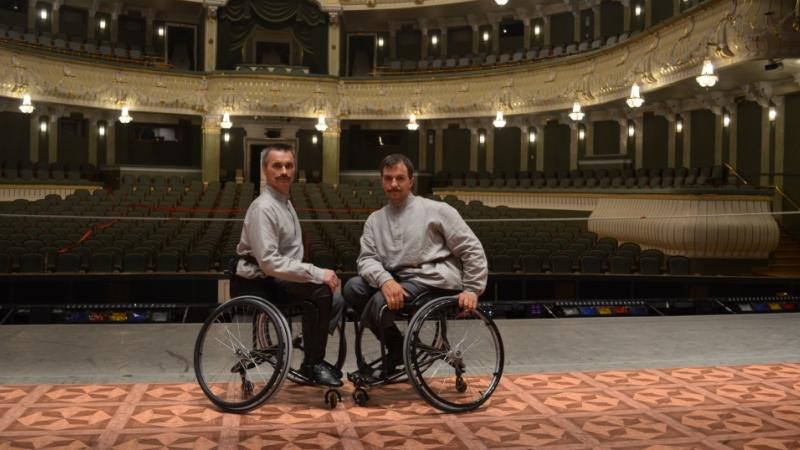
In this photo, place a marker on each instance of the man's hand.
(394, 294)
(467, 300)
(330, 279)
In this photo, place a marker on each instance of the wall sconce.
(43, 125)
(101, 130)
(679, 125)
(485, 36)
(532, 137)
(537, 30)
(102, 24)
(26, 106)
(314, 139)
(380, 42)
(321, 125)
(434, 39)
(637, 10)
(631, 130)
(226, 137)
(773, 113)
(581, 134)
(43, 14)
(125, 117)
(160, 31)
(726, 120)
(482, 138)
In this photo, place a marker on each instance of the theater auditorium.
(631, 169)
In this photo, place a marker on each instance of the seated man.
(411, 246)
(270, 264)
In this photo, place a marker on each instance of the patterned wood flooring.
(742, 407)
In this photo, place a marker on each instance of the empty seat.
(101, 262)
(620, 264)
(68, 263)
(531, 264)
(649, 265)
(678, 265)
(31, 263)
(591, 264)
(560, 263)
(502, 263)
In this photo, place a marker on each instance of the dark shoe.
(334, 370)
(394, 363)
(320, 374)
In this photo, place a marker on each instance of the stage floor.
(670, 382)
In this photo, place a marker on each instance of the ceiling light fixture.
(635, 100)
(321, 125)
(125, 117)
(226, 121)
(501, 2)
(499, 121)
(412, 124)
(707, 77)
(576, 113)
(26, 106)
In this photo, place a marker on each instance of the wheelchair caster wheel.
(360, 396)
(332, 398)
(247, 388)
(461, 385)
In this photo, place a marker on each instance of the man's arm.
(370, 266)
(465, 246)
(263, 237)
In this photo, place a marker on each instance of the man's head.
(397, 177)
(278, 165)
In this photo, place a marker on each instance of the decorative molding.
(668, 55)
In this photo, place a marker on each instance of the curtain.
(240, 17)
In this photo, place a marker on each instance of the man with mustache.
(411, 246)
(270, 264)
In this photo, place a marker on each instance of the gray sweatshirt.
(423, 240)
(271, 234)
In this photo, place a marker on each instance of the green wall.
(655, 151)
(748, 137)
(703, 129)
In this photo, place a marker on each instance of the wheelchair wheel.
(335, 352)
(368, 353)
(242, 353)
(453, 358)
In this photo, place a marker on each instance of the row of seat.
(78, 46)
(28, 172)
(494, 59)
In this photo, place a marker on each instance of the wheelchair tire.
(242, 353)
(453, 358)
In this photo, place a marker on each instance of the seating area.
(106, 242)
(716, 177)
(475, 61)
(27, 172)
(77, 46)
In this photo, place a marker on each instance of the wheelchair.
(453, 358)
(248, 347)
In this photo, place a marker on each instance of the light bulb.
(101, 130)
(434, 39)
(226, 137)
(581, 134)
(102, 24)
(43, 126)
(773, 113)
(638, 10)
(631, 130)
(43, 14)
(537, 30)
(482, 138)
(726, 120)
(160, 31)
(679, 126)
(485, 36)
(532, 137)
(380, 42)
(314, 139)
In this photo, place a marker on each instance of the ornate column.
(474, 136)
(626, 15)
(438, 148)
(597, 21)
(526, 33)
(33, 143)
(32, 15)
(687, 140)
(524, 145)
(780, 124)
(210, 41)
(92, 153)
(540, 141)
(638, 129)
(55, 14)
(52, 137)
(210, 152)
(574, 129)
(111, 141)
(330, 152)
(422, 144)
(489, 162)
(765, 140)
(546, 31)
(334, 36)
(495, 37)
(476, 39)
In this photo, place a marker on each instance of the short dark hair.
(395, 159)
(277, 147)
